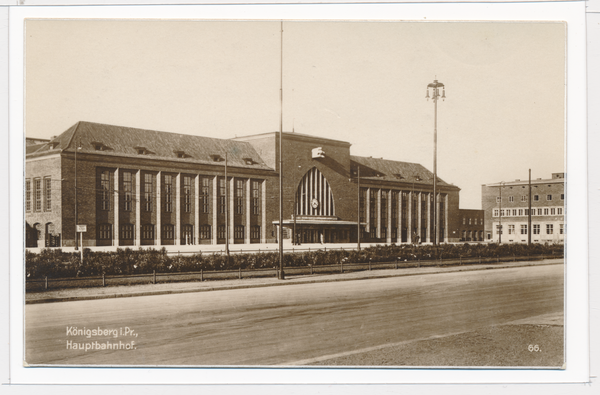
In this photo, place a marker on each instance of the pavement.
(68, 295)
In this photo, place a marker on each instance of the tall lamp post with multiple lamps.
(435, 95)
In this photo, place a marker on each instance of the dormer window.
(141, 150)
(418, 178)
(398, 176)
(98, 146)
(216, 158)
(180, 154)
(248, 161)
(54, 144)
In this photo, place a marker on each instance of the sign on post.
(81, 228)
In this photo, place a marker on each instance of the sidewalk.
(175, 288)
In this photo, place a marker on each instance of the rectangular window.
(205, 232)
(526, 211)
(514, 212)
(520, 211)
(47, 194)
(205, 195)
(546, 211)
(256, 197)
(536, 198)
(28, 195)
(502, 213)
(37, 185)
(498, 229)
(511, 229)
(511, 198)
(222, 191)
(562, 196)
(496, 212)
(127, 190)
(548, 197)
(559, 211)
(105, 190)
(524, 198)
(127, 232)
(167, 232)
(255, 232)
(539, 211)
(148, 232)
(464, 221)
(498, 199)
(104, 232)
(168, 193)
(523, 229)
(221, 232)
(238, 232)
(469, 221)
(562, 229)
(187, 194)
(552, 211)
(549, 229)
(536, 229)
(148, 190)
(239, 197)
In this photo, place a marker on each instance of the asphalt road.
(283, 325)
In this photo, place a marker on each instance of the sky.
(361, 82)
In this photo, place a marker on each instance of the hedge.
(54, 263)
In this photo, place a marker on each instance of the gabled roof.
(394, 171)
(131, 142)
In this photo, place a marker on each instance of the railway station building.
(132, 187)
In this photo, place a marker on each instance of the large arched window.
(314, 196)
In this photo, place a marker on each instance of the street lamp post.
(358, 209)
(435, 95)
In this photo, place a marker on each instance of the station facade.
(133, 187)
(506, 210)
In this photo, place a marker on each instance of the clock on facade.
(314, 203)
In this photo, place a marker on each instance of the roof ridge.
(74, 127)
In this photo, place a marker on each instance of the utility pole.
(226, 213)
(500, 214)
(529, 230)
(358, 211)
(76, 214)
(280, 236)
(435, 95)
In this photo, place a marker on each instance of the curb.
(263, 285)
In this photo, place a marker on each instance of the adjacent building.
(132, 187)
(506, 209)
(471, 225)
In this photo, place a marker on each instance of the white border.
(577, 366)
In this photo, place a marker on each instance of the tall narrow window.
(394, 203)
(363, 197)
(373, 207)
(105, 231)
(239, 196)
(536, 229)
(511, 229)
(37, 183)
(28, 195)
(187, 194)
(221, 232)
(255, 232)
(549, 229)
(562, 229)
(105, 190)
(255, 197)
(47, 194)
(523, 229)
(147, 232)
(127, 232)
(169, 193)
(148, 190)
(205, 197)
(384, 209)
(127, 190)
(167, 232)
(222, 191)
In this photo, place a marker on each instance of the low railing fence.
(33, 285)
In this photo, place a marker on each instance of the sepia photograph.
(294, 193)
